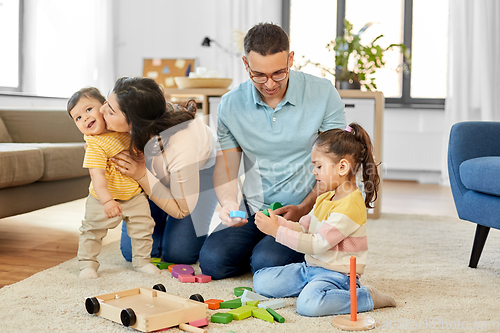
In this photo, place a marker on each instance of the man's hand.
(268, 225)
(112, 209)
(226, 219)
(291, 212)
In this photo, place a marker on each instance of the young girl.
(334, 231)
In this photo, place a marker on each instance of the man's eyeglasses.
(276, 76)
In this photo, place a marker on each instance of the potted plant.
(355, 63)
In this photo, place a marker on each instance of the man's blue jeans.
(321, 292)
(234, 251)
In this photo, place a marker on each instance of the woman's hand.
(134, 168)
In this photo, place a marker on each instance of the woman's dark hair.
(143, 103)
(354, 145)
(89, 92)
(266, 39)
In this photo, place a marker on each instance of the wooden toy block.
(202, 278)
(222, 318)
(242, 312)
(276, 316)
(273, 304)
(231, 304)
(263, 314)
(238, 291)
(146, 309)
(162, 265)
(199, 323)
(153, 260)
(186, 278)
(214, 304)
(171, 267)
(253, 303)
(251, 296)
(182, 269)
(237, 213)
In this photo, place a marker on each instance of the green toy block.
(273, 206)
(276, 316)
(154, 260)
(253, 303)
(232, 304)
(162, 265)
(263, 314)
(222, 318)
(242, 312)
(238, 291)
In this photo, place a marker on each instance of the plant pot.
(345, 85)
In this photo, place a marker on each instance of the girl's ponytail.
(371, 179)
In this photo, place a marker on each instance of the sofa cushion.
(4, 133)
(482, 174)
(19, 164)
(61, 160)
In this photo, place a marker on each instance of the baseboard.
(423, 177)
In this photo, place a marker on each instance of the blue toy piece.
(237, 213)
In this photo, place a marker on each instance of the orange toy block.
(186, 278)
(170, 268)
(214, 304)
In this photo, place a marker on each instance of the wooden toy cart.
(147, 309)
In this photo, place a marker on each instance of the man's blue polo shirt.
(277, 143)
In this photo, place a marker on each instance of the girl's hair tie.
(348, 129)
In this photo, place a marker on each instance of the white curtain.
(473, 65)
(242, 15)
(68, 45)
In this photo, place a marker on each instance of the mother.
(179, 151)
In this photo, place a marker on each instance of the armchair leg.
(477, 248)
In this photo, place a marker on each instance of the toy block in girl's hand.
(273, 206)
(237, 213)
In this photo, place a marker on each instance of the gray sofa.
(41, 157)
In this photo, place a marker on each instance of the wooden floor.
(32, 242)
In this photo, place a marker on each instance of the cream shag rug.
(420, 260)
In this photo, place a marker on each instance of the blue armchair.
(474, 170)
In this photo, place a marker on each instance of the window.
(421, 25)
(10, 27)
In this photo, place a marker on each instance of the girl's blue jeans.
(320, 292)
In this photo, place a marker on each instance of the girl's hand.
(112, 209)
(268, 225)
(135, 169)
(291, 212)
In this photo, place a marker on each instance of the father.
(272, 119)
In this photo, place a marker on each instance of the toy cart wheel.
(197, 297)
(160, 287)
(128, 317)
(92, 305)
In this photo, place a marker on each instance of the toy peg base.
(344, 322)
